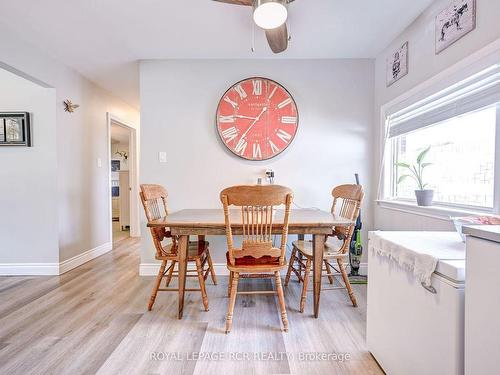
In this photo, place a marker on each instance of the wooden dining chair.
(154, 201)
(257, 257)
(346, 203)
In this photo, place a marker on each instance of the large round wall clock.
(257, 118)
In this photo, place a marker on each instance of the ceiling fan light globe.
(270, 15)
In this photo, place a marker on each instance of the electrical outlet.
(162, 157)
(99, 163)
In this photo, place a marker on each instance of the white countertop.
(487, 232)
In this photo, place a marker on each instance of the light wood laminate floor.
(94, 319)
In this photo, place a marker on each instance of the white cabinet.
(411, 330)
(482, 301)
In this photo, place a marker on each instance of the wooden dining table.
(209, 222)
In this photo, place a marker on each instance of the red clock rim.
(229, 89)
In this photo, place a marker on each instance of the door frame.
(135, 229)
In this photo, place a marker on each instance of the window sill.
(436, 212)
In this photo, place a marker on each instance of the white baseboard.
(29, 269)
(52, 269)
(82, 258)
(151, 269)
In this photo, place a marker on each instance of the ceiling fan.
(271, 16)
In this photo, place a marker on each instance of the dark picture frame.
(15, 129)
(115, 165)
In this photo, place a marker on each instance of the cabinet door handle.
(429, 288)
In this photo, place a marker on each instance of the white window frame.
(387, 183)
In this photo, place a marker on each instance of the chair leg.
(290, 265)
(157, 285)
(232, 300)
(169, 276)
(328, 270)
(301, 258)
(304, 286)
(201, 279)
(229, 284)
(212, 269)
(346, 282)
(281, 299)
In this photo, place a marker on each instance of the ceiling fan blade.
(236, 2)
(278, 38)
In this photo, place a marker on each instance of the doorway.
(122, 180)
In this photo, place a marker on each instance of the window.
(461, 126)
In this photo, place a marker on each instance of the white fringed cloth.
(418, 252)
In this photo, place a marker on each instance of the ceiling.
(103, 40)
(119, 134)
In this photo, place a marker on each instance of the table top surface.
(215, 218)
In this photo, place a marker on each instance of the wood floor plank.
(94, 319)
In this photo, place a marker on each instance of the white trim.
(151, 269)
(53, 269)
(82, 258)
(29, 269)
(468, 66)
(435, 212)
(135, 227)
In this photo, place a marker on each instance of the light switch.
(99, 163)
(162, 156)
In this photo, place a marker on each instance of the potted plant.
(424, 196)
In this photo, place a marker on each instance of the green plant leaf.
(425, 165)
(403, 165)
(421, 156)
(402, 178)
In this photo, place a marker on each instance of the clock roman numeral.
(241, 146)
(257, 153)
(226, 119)
(240, 91)
(227, 100)
(284, 103)
(283, 135)
(229, 134)
(288, 120)
(274, 148)
(257, 87)
(273, 92)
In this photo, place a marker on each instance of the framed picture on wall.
(15, 129)
(397, 65)
(458, 19)
(115, 165)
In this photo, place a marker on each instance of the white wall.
(28, 177)
(423, 65)
(334, 139)
(82, 188)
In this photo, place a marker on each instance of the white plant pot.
(424, 197)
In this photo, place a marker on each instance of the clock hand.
(253, 123)
(246, 117)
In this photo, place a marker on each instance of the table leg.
(183, 251)
(318, 249)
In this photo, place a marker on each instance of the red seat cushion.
(251, 261)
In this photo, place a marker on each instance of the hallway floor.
(119, 234)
